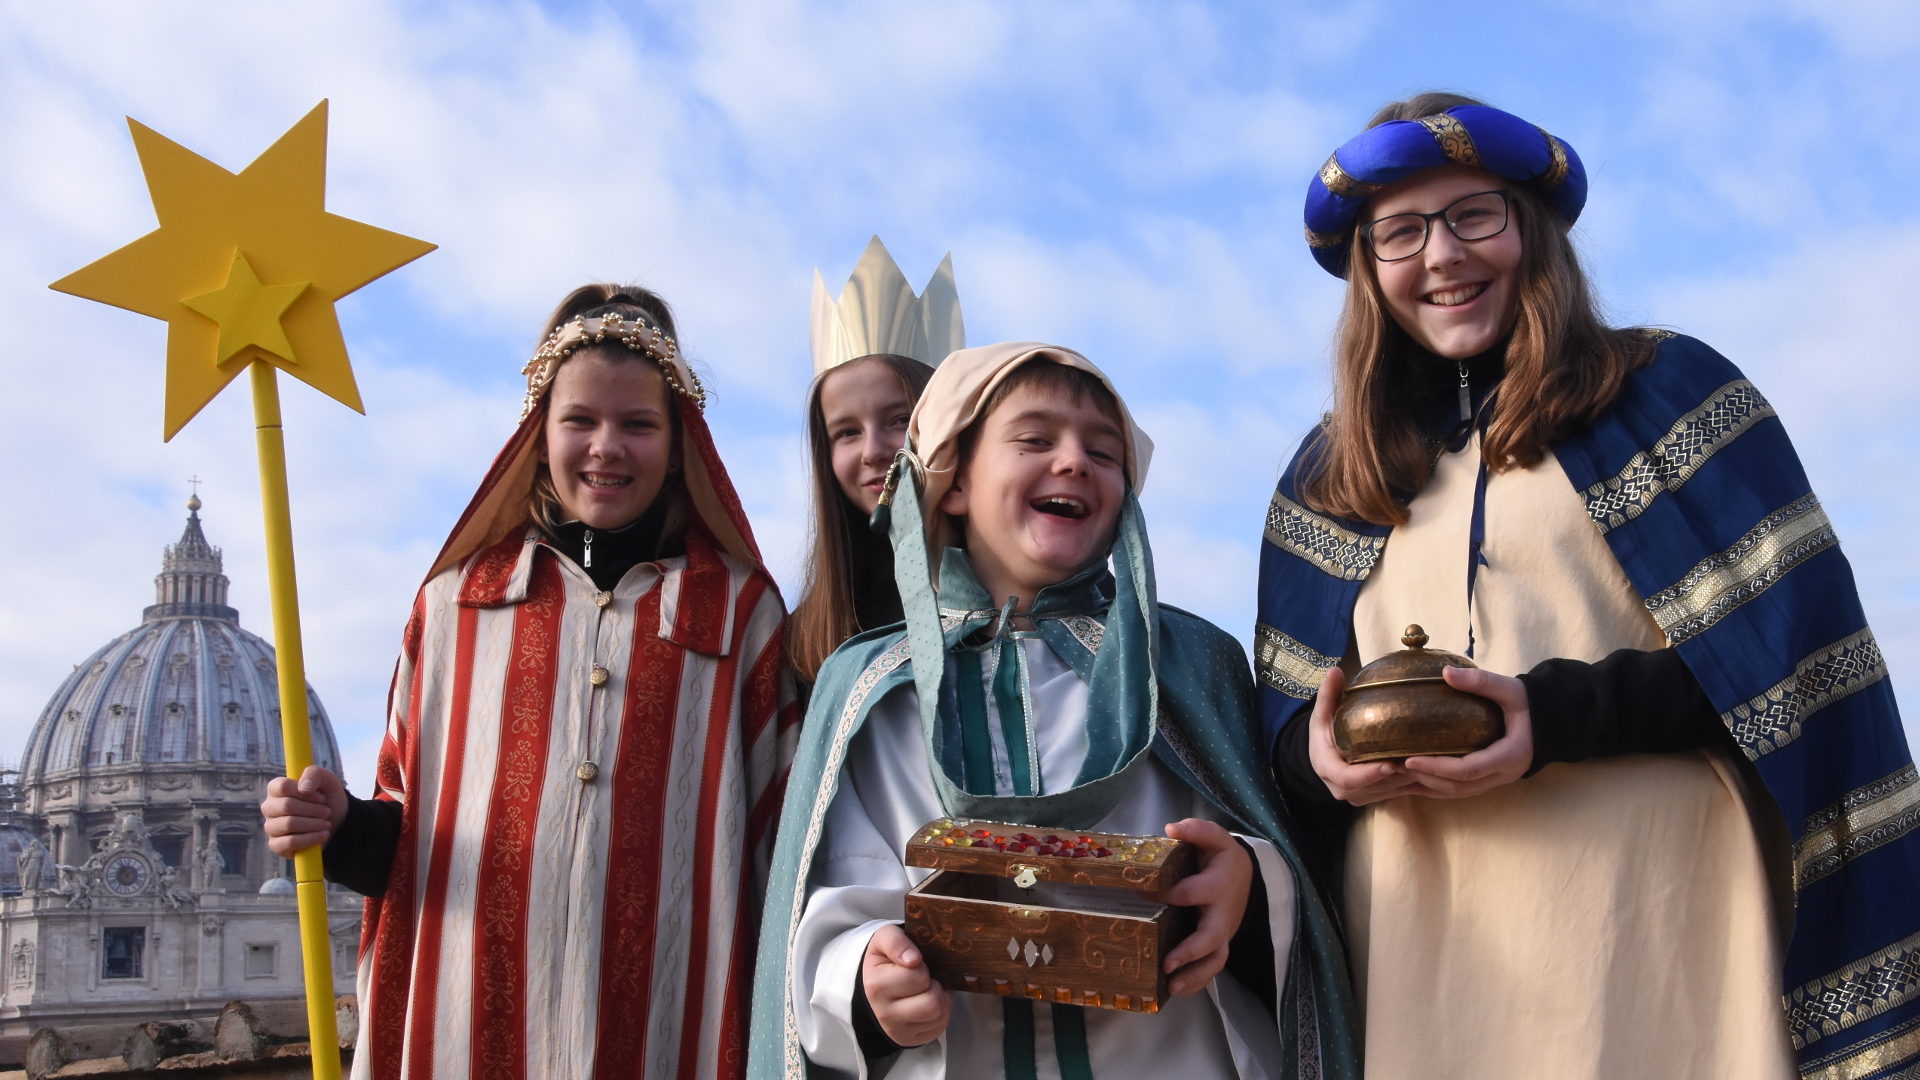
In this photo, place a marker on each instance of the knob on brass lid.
(1399, 706)
(1416, 662)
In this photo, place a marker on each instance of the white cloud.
(1123, 179)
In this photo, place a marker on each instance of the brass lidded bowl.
(1399, 707)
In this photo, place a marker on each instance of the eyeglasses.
(1470, 217)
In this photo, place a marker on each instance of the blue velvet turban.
(1476, 135)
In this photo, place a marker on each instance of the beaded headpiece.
(1479, 136)
(499, 507)
(636, 334)
(878, 312)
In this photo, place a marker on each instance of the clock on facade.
(126, 874)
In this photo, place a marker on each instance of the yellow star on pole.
(248, 313)
(269, 217)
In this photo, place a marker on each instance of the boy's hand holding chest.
(1219, 890)
(911, 1008)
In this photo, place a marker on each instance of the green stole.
(1121, 675)
(962, 734)
(1121, 719)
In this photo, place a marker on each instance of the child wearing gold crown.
(588, 730)
(873, 350)
(1036, 681)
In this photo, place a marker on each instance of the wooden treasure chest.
(1047, 914)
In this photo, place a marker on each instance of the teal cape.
(1204, 731)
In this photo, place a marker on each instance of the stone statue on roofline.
(32, 865)
(211, 865)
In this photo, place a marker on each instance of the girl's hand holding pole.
(303, 813)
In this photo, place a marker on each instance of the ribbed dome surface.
(186, 687)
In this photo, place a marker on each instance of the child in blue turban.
(1703, 807)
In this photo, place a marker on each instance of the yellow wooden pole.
(310, 886)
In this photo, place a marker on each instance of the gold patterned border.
(1087, 630)
(1862, 990)
(1677, 455)
(1342, 183)
(1341, 552)
(1897, 1046)
(1325, 239)
(1452, 136)
(1772, 719)
(1287, 665)
(1556, 161)
(1866, 818)
(1726, 579)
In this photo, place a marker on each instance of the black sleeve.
(360, 852)
(1250, 953)
(1293, 767)
(1320, 821)
(1633, 702)
(873, 1039)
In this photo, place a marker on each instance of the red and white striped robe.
(535, 925)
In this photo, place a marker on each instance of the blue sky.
(1122, 178)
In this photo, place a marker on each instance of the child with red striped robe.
(588, 732)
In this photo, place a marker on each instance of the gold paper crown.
(878, 313)
(637, 334)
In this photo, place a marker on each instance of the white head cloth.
(955, 397)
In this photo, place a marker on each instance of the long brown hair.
(849, 586)
(1564, 366)
(629, 302)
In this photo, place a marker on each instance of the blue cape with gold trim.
(1691, 479)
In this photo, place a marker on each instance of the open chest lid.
(1029, 854)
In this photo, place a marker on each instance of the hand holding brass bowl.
(1399, 707)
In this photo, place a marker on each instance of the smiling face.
(1040, 491)
(1457, 298)
(608, 437)
(864, 409)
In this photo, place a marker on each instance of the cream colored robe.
(1612, 919)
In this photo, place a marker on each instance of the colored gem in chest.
(1072, 846)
